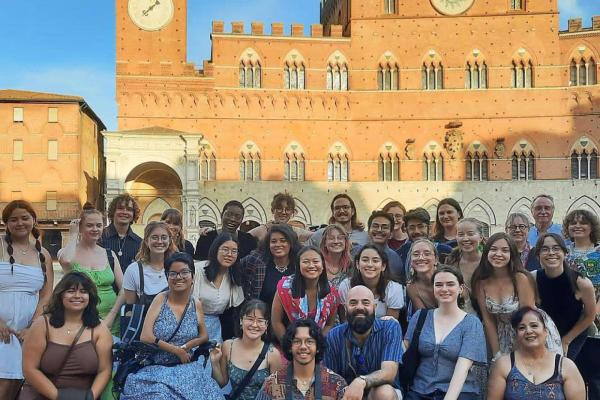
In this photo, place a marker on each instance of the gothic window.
(294, 76)
(208, 166)
(522, 74)
(250, 74)
(584, 164)
(389, 6)
(433, 167)
(476, 75)
(517, 4)
(523, 166)
(250, 166)
(387, 77)
(337, 77)
(432, 76)
(389, 167)
(582, 72)
(293, 167)
(338, 167)
(477, 167)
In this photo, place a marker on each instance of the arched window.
(433, 167)
(208, 166)
(337, 77)
(517, 4)
(389, 6)
(522, 74)
(476, 167)
(387, 77)
(389, 167)
(523, 166)
(476, 75)
(294, 75)
(584, 160)
(293, 167)
(432, 76)
(582, 71)
(338, 165)
(250, 70)
(250, 163)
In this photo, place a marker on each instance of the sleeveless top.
(558, 300)
(79, 371)
(518, 387)
(236, 375)
(502, 312)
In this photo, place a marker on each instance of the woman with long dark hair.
(447, 215)
(218, 284)
(26, 280)
(306, 294)
(68, 347)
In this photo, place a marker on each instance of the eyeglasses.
(186, 273)
(340, 208)
(307, 342)
(550, 249)
(225, 250)
(424, 254)
(255, 321)
(380, 227)
(284, 210)
(162, 238)
(520, 227)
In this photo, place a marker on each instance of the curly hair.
(291, 237)
(56, 309)
(125, 199)
(279, 198)
(144, 251)
(313, 330)
(584, 217)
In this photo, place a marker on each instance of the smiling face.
(91, 227)
(254, 324)
(468, 237)
(579, 229)
(342, 211)
(232, 218)
(518, 230)
(360, 308)
(124, 213)
(417, 229)
(227, 253)
(180, 277)
(499, 254)
(398, 215)
(380, 230)
(552, 256)
(335, 241)
(75, 299)
(448, 216)
(282, 213)
(304, 346)
(174, 228)
(370, 264)
(311, 265)
(531, 332)
(158, 240)
(20, 223)
(446, 288)
(542, 210)
(279, 245)
(422, 257)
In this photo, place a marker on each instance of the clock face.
(151, 15)
(452, 7)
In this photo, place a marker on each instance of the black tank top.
(558, 300)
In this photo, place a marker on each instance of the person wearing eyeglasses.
(517, 226)
(237, 357)
(542, 209)
(366, 351)
(582, 228)
(283, 208)
(218, 283)
(305, 377)
(567, 296)
(380, 227)
(175, 324)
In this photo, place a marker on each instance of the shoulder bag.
(411, 357)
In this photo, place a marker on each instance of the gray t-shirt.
(394, 297)
(154, 281)
(437, 363)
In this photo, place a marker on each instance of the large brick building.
(51, 154)
(484, 101)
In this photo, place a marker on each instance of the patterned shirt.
(333, 387)
(587, 263)
(125, 248)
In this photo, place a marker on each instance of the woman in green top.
(83, 254)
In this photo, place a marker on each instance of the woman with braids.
(83, 254)
(26, 280)
(68, 347)
(174, 220)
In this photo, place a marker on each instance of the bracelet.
(156, 340)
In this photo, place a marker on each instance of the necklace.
(121, 244)
(23, 252)
(281, 269)
(69, 331)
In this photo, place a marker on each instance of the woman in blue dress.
(187, 380)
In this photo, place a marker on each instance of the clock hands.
(146, 12)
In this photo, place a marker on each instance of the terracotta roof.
(151, 130)
(24, 95)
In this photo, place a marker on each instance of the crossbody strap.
(419, 327)
(64, 361)
(240, 388)
(143, 294)
(290, 384)
(180, 320)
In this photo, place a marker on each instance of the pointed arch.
(207, 161)
(476, 162)
(250, 162)
(431, 207)
(254, 211)
(154, 209)
(388, 72)
(389, 162)
(523, 161)
(294, 162)
(250, 69)
(480, 209)
(337, 72)
(338, 164)
(208, 212)
(584, 159)
(432, 71)
(302, 213)
(585, 203)
(433, 162)
(294, 71)
(522, 205)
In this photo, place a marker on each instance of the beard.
(361, 324)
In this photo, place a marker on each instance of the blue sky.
(68, 46)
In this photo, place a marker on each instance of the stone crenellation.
(576, 25)
(277, 29)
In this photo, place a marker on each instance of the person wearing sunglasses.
(175, 324)
(366, 351)
(305, 377)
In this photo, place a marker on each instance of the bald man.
(366, 351)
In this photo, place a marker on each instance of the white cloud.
(571, 8)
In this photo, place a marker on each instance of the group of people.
(388, 310)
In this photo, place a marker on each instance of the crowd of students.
(388, 310)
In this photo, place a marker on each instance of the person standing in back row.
(542, 209)
(118, 236)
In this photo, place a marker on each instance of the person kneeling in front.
(366, 351)
(305, 378)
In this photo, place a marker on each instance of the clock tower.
(151, 36)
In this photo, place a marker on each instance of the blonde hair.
(143, 254)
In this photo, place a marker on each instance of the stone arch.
(477, 148)
(480, 209)
(584, 143)
(525, 55)
(523, 146)
(433, 147)
(208, 211)
(250, 56)
(384, 202)
(294, 57)
(523, 205)
(583, 50)
(585, 203)
(337, 58)
(339, 148)
(254, 211)
(302, 213)
(154, 210)
(431, 207)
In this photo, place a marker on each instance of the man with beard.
(231, 219)
(304, 378)
(366, 351)
(343, 212)
(417, 223)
